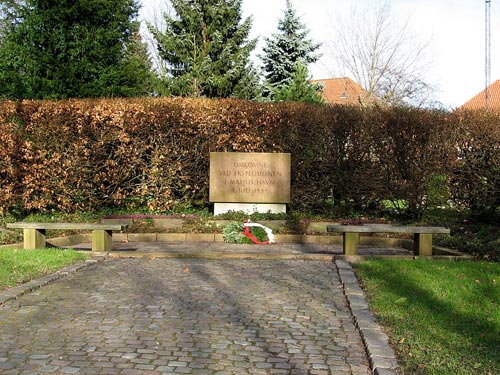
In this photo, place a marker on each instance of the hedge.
(128, 153)
(475, 175)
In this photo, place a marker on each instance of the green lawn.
(18, 266)
(442, 317)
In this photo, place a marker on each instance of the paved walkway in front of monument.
(195, 316)
(221, 250)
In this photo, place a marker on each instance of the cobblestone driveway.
(136, 316)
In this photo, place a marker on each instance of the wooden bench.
(34, 233)
(422, 236)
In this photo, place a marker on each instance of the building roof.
(478, 102)
(343, 91)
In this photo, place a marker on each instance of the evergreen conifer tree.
(206, 50)
(300, 89)
(71, 48)
(285, 49)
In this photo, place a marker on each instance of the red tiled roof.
(343, 91)
(478, 102)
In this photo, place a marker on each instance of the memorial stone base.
(250, 208)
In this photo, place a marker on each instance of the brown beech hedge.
(154, 153)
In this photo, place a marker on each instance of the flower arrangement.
(247, 232)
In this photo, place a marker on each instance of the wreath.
(247, 232)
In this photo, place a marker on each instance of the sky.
(454, 29)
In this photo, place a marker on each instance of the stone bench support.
(34, 234)
(350, 243)
(422, 236)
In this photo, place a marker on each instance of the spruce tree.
(71, 48)
(285, 49)
(206, 49)
(300, 89)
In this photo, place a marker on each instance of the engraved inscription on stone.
(249, 177)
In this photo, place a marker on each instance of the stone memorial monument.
(249, 182)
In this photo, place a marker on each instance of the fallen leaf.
(186, 270)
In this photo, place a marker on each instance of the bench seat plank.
(385, 228)
(67, 226)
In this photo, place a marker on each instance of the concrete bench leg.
(102, 240)
(351, 241)
(422, 244)
(33, 238)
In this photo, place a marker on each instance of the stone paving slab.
(173, 248)
(169, 316)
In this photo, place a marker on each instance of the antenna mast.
(487, 53)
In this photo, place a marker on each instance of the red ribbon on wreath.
(253, 238)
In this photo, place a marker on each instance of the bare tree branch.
(381, 53)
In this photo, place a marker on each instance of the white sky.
(455, 28)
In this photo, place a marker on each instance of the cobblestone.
(194, 316)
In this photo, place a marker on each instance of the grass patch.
(442, 317)
(19, 266)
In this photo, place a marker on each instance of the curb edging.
(381, 356)
(20, 290)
